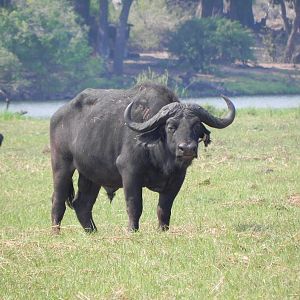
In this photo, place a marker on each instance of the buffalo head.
(182, 126)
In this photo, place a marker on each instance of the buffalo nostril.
(193, 148)
(182, 147)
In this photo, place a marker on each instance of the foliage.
(234, 42)
(200, 42)
(152, 22)
(10, 65)
(51, 46)
(234, 232)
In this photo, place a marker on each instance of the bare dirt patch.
(294, 200)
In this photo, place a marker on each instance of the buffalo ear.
(206, 137)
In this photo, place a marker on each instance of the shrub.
(234, 42)
(10, 65)
(200, 42)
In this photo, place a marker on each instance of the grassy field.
(235, 228)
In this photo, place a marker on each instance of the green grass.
(262, 85)
(235, 228)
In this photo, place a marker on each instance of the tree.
(240, 10)
(284, 17)
(289, 50)
(103, 45)
(121, 37)
(5, 3)
(285, 20)
(82, 8)
(209, 8)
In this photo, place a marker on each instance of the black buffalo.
(141, 137)
(1, 139)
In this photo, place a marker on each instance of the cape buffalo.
(141, 137)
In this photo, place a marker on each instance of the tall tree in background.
(5, 3)
(292, 37)
(240, 10)
(82, 8)
(209, 8)
(121, 38)
(102, 40)
(285, 20)
(286, 24)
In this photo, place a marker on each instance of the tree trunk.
(290, 47)
(209, 8)
(121, 38)
(218, 8)
(284, 17)
(103, 44)
(240, 10)
(204, 8)
(5, 3)
(82, 8)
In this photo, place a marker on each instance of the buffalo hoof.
(163, 227)
(90, 230)
(55, 229)
(132, 229)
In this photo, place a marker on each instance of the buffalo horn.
(215, 122)
(158, 119)
(172, 108)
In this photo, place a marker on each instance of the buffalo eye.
(171, 128)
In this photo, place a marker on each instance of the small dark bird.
(1, 138)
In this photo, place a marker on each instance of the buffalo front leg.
(164, 208)
(165, 202)
(84, 202)
(134, 202)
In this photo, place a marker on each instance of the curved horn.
(158, 119)
(215, 122)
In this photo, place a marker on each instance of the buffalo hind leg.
(84, 202)
(63, 191)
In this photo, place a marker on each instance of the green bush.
(51, 46)
(10, 65)
(234, 42)
(200, 42)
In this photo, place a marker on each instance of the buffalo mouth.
(186, 157)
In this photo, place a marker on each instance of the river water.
(45, 109)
